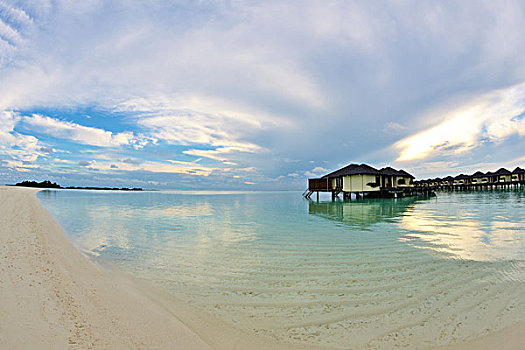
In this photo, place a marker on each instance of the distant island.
(49, 184)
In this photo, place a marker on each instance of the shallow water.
(411, 272)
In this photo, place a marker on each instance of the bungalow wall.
(480, 180)
(504, 178)
(359, 183)
(518, 177)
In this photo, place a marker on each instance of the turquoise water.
(410, 272)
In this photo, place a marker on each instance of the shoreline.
(53, 297)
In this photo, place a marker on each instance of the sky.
(257, 95)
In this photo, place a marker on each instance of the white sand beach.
(53, 297)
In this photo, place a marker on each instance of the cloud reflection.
(469, 238)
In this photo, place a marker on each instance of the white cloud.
(196, 120)
(168, 166)
(8, 120)
(492, 117)
(19, 147)
(222, 153)
(395, 126)
(317, 171)
(81, 134)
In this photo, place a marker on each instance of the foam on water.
(412, 272)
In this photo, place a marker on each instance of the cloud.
(47, 149)
(131, 161)
(197, 119)
(79, 133)
(492, 117)
(106, 164)
(317, 171)
(222, 153)
(19, 147)
(395, 126)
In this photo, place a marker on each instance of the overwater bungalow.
(500, 179)
(492, 178)
(479, 178)
(518, 174)
(502, 175)
(362, 180)
(396, 178)
(447, 181)
(461, 179)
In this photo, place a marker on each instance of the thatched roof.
(389, 171)
(518, 170)
(502, 171)
(353, 169)
(404, 173)
(478, 174)
(364, 169)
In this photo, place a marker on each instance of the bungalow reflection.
(364, 212)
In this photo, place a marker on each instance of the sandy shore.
(53, 297)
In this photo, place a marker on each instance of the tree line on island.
(49, 184)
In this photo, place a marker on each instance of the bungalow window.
(401, 182)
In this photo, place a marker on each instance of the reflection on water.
(471, 226)
(409, 272)
(364, 212)
(476, 226)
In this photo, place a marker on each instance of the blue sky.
(257, 95)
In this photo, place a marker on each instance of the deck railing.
(323, 184)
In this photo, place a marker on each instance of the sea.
(416, 272)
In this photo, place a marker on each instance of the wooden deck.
(390, 192)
